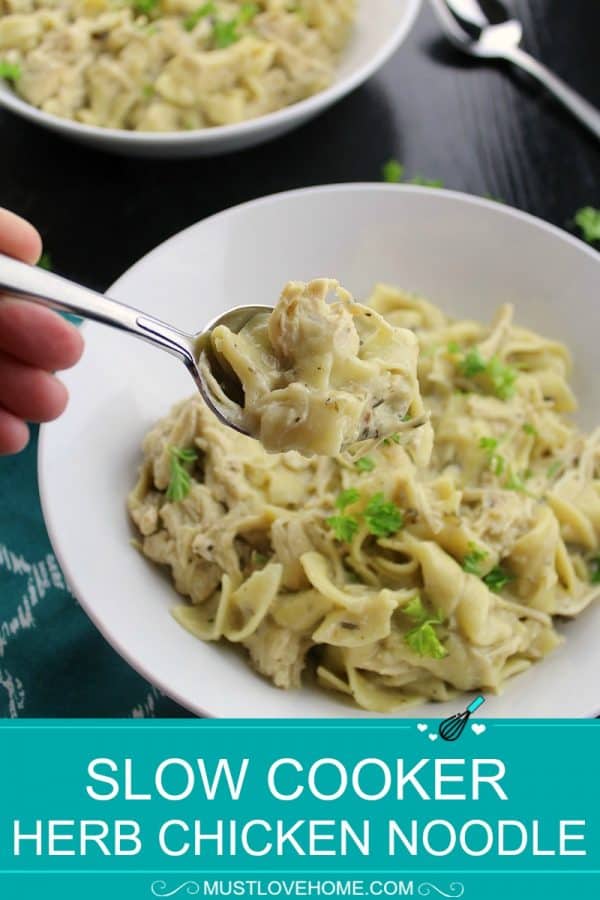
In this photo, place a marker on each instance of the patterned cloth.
(53, 661)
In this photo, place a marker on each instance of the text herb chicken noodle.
(392, 580)
(170, 65)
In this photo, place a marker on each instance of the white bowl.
(466, 254)
(381, 27)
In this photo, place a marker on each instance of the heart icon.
(422, 726)
(476, 728)
(432, 737)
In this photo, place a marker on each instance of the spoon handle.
(587, 114)
(42, 287)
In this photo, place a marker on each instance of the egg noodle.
(390, 581)
(170, 65)
(320, 376)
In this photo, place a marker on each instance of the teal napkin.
(53, 661)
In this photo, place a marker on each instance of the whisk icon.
(452, 728)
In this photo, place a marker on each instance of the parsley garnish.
(502, 377)
(180, 483)
(145, 6)
(588, 221)
(344, 527)
(594, 570)
(208, 9)
(422, 639)
(258, 560)
(453, 347)
(472, 363)
(383, 517)
(554, 468)
(350, 495)
(473, 559)
(226, 33)
(392, 171)
(45, 261)
(514, 482)
(497, 578)
(529, 429)
(495, 460)
(10, 71)
(364, 464)
(426, 182)
(394, 438)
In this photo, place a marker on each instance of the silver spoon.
(194, 350)
(483, 28)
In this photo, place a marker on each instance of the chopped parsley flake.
(426, 182)
(588, 221)
(497, 578)
(393, 438)
(10, 71)
(495, 460)
(473, 559)
(226, 33)
(392, 171)
(383, 517)
(45, 261)
(473, 363)
(347, 497)
(502, 377)
(422, 639)
(594, 570)
(364, 464)
(514, 482)
(258, 560)
(554, 468)
(145, 6)
(180, 483)
(453, 347)
(529, 429)
(344, 527)
(190, 22)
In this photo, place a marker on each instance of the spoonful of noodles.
(307, 375)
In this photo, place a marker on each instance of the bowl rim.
(358, 187)
(209, 136)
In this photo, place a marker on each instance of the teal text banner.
(306, 808)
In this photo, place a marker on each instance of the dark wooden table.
(481, 129)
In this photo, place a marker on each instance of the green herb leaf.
(207, 9)
(10, 71)
(554, 468)
(258, 560)
(588, 221)
(496, 460)
(247, 12)
(364, 464)
(392, 171)
(225, 34)
(344, 527)
(529, 429)
(383, 517)
(45, 261)
(594, 570)
(472, 363)
(502, 377)
(424, 641)
(415, 610)
(426, 182)
(473, 559)
(350, 495)
(488, 443)
(453, 347)
(497, 578)
(145, 6)
(514, 482)
(394, 438)
(180, 483)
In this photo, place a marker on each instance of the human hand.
(34, 342)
